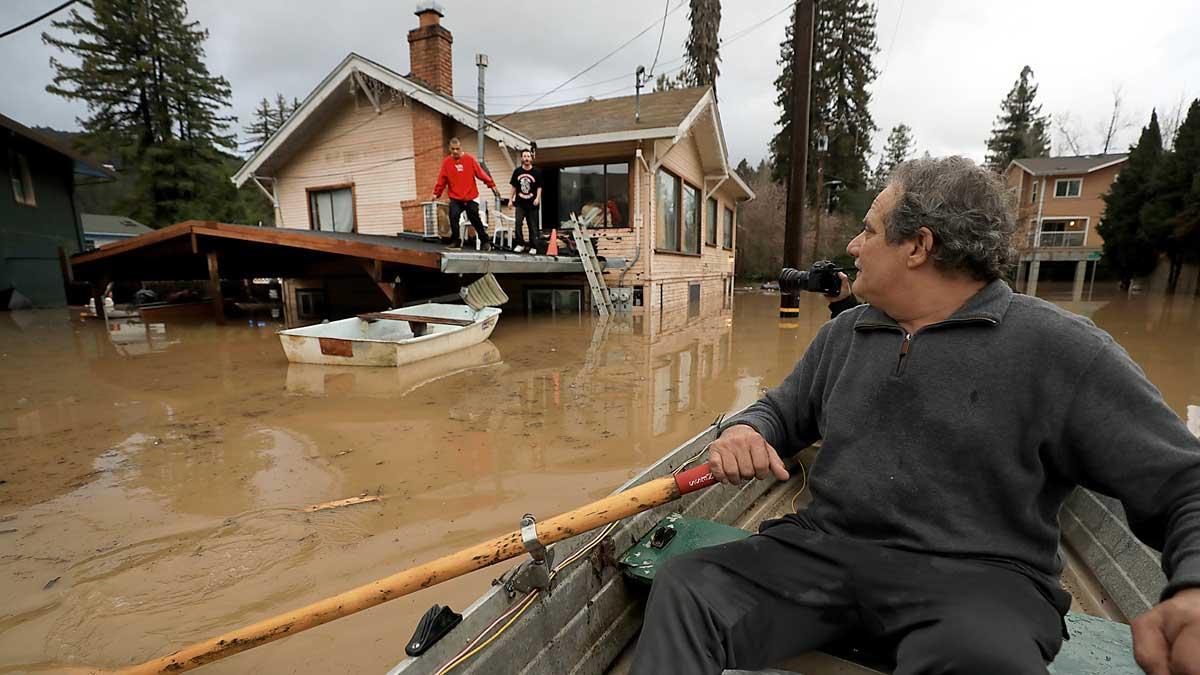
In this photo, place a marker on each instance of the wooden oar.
(594, 515)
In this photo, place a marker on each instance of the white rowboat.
(392, 338)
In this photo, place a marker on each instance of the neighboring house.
(363, 151)
(99, 230)
(39, 223)
(1059, 206)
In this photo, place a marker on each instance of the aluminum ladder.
(591, 267)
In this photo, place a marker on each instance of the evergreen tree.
(899, 147)
(1127, 247)
(1021, 129)
(744, 170)
(283, 110)
(1164, 216)
(702, 50)
(266, 121)
(150, 96)
(843, 51)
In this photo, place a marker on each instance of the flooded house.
(1059, 205)
(361, 156)
(39, 220)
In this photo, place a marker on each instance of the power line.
(733, 37)
(892, 43)
(662, 32)
(598, 62)
(34, 20)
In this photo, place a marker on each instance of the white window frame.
(1068, 194)
(19, 166)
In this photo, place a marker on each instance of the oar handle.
(694, 479)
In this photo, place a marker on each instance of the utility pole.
(819, 211)
(481, 60)
(793, 236)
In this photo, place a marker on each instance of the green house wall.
(30, 236)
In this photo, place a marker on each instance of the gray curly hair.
(968, 209)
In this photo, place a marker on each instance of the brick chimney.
(429, 49)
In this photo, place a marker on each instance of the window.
(693, 300)
(728, 242)
(331, 209)
(1033, 192)
(22, 182)
(1068, 187)
(599, 192)
(678, 215)
(554, 301)
(691, 219)
(666, 236)
(710, 223)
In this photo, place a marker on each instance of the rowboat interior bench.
(419, 325)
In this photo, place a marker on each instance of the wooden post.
(793, 237)
(214, 288)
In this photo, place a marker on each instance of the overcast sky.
(946, 64)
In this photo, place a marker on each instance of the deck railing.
(1060, 239)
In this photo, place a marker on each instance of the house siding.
(30, 236)
(1089, 204)
(373, 152)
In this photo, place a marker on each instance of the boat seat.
(1096, 646)
(419, 325)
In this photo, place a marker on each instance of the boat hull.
(359, 342)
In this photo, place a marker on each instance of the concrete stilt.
(1031, 287)
(1080, 277)
(1022, 268)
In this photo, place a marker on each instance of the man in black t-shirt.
(527, 197)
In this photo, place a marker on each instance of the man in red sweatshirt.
(459, 172)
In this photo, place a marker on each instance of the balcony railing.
(1060, 239)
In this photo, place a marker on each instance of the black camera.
(822, 277)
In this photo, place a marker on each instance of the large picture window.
(710, 222)
(598, 193)
(728, 230)
(677, 215)
(691, 219)
(667, 198)
(331, 209)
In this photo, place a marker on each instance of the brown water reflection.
(159, 473)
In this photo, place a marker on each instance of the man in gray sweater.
(955, 417)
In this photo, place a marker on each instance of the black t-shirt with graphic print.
(525, 184)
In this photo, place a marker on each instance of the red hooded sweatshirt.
(460, 175)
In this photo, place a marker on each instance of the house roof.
(659, 111)
(1065, 166)
(104, 224)
(283, 142)
(84, 166)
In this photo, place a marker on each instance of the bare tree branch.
(1069, 135)
(1117, 120)
(1171, 119)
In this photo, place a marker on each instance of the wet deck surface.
(154, 477)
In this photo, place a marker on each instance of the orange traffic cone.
(552, 249)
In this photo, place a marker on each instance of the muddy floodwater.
(153, 478)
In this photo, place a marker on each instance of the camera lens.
(792, 280)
